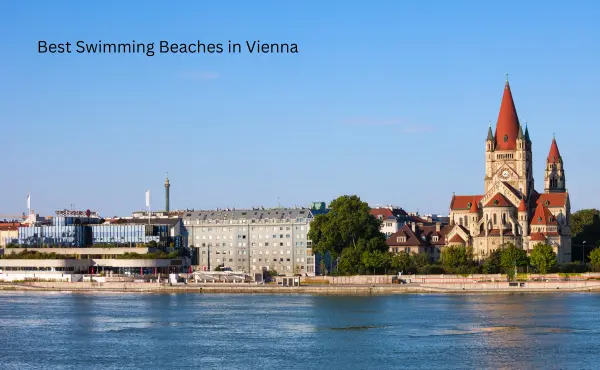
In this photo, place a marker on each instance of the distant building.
(392, 219)
(91, 244)
(252, 240)
(9, 232)
(85, 229)
(420, 239)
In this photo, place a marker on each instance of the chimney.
(413, 226)
(438, 226)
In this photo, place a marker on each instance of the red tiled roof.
(456, 239)
(498, 200)
(383, 212)
(462, 201)
(507, 127)
(474, 208)
(552, 199)
(9, 226)
(537, 237)
(554, 155)
(423, 236)
(411, 238)
(496, 232)
(429, 232)
(543, 216)
(522, 206)
(418, 219)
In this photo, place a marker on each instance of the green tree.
(511, 256)
(455, 256)
(347, 223)
(595, 258)
(374, 260)
(585, 226)
(543, 257)
(493, 264)
(323, 267)
(401, 262)
(419, 260)
(350, 262)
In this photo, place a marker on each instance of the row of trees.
(34, 255)
(350, 235)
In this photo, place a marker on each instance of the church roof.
(537, 237)
(522, 206)
(543, 216)
(461, 202)
(554, 155)
(456, 239)
(507, 127)
(490, 133)
(550, 199)
(498, 200)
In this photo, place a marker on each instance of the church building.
(510, 210)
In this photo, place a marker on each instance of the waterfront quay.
(330, 285)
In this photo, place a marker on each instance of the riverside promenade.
(325, 289)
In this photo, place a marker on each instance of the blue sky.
(389, 100)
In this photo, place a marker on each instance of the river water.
(150, 331)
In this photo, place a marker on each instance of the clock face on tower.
(505, 174)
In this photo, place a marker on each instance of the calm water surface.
(149, 331)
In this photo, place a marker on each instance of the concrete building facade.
(252, 240)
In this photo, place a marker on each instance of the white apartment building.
(252, 240)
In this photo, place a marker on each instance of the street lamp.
(583, 253)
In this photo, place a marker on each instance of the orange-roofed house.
(510, 209)
(9, 231)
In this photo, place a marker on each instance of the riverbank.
(370, 289)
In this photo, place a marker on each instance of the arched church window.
(504, 218)
(466, 221)
(494, 219)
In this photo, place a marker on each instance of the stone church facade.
(510, 209)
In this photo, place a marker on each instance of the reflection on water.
(114, 331)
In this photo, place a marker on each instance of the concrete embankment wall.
(522, 286)
(348, 280)
(441, 278)
(211, 288)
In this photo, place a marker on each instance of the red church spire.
(522, 206)
(554, 155)
(507, 127)
(474, 208)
